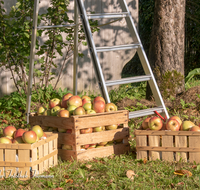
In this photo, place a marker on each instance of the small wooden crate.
(168, 145)
(76, 140)
(24, 161)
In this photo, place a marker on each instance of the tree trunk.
(166, 53)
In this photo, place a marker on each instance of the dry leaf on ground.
(183, 172)
(130, 174)
(88, 166)
(144, 160)
(69, 181)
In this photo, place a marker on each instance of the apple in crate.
(87, 106)
(40, 110)
(5, 140)
(9, 131)
(64, 100)
(177, 118)
(18, 133)
(92, 146)
(44, 136)
(155, 123)
(110, 107)
(90, 112)
(173, 125)
(186, 125)
(86, 130)
(71, 109)
(86, 97)
(195, 128)
(38, 130)
(79, 111)
(99, 106)
(63, 113)
(62, 130)
(69, 131)
(102, 143)
(66, 147)
(145, 123)
(111, 127)
(99, 98)
(99, 146)
(85, 146)
(18, 140)
(29, 137)
(55, 110)
(54, 102)
(47, 112)
(99, 129)
(74, 101)
(85, 100)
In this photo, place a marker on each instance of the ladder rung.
(56, 26)
(129, 80)
(116, 48)
(145, 112)
(107, 15)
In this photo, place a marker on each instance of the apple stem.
(164, 119)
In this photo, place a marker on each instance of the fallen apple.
(155, 123)
(173, 125)
(29, 137)
(85, 146)
(9, 131)
(186, 125)
(145, 123)
(38, 130)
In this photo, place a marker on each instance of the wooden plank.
(103, 136)
(170, 133)
(103, 152)
(141, 141)
(10, 155)
(100, 120)
(167, 141)
(24, 156)
(64, 138)
(52, 121)
(45, 153)
(55, 157)
(194, 142)
(34, 158)
(2, 159)
(40, 155)
(50, 144)
(154, 141)
(181, 141)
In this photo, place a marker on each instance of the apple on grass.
(54, 102)
(79, 111)
(173, 125)
(145, 123)
(99, 106)
(38, 130)
(111, 127)
(86, 130)
(5, 140)
(74, 101)
(9, 131)
(29, 137)
(195, 128)
(186, 125)
(64, 100)
(40, 110)
(155, 123)
(87, 106)
(55, 110)
(110, 107)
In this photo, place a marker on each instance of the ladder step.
(129, 80)
(119, 47)
(107, 15)
(145, 112)
(56, 26)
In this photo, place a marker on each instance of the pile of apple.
(174, 123)
(76, 105)
(18, 136)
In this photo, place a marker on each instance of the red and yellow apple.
(63, 113)
(173, 125)
(29, 137)
(99, 98)
(87, 106)
(55, 110)
(5, 140)
(74, 101)
(64, 100)
(99, 106)
(145, 123)
(40, 110)
(54, 102)
(9, 131)
(79, 111)
(86, 130)
(155, 123)
(18, 140)
(110, 107)
(111, 127)
(38, 130)
(18, 133)
(186, 125)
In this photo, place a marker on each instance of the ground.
(188, 99)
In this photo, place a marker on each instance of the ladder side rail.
(92, 50)
(32, 56)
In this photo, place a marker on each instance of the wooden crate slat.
(55, 157)
(10, 155)
(141, 141)
(40, 155)
(63, 154)
(24, 156)
(50, 147)
(46, 152)
(181, 141)
(103, 136)
(194, 141)
(64, 138)
(167, 141)
(34, 168)
(154, 141)
(103, 152)
(2, 159)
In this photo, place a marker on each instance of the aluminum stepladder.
(136, 45)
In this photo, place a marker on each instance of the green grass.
(110, 173)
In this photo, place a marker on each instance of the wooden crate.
(168, 145)
(24, 161)
(76, 140)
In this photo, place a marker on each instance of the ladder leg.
(32, 54)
